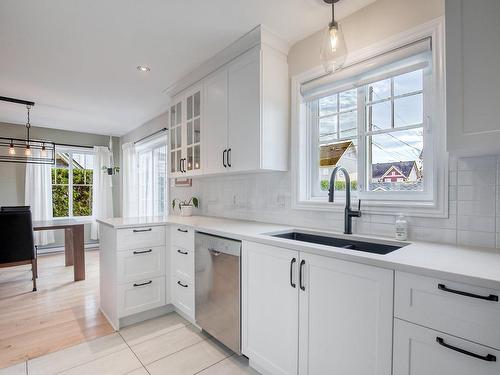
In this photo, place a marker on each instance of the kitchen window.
(72, 183)
(381, 118)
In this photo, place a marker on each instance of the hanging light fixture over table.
(333, 49)
(17, 150)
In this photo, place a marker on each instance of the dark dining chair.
(16, 245)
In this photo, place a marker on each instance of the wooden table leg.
(68, 246)
(78, 252)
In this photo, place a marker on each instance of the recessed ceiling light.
(143, 68)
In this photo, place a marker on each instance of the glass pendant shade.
(333, 49)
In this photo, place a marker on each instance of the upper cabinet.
(243, 119)
(185, 133)
(472, 61)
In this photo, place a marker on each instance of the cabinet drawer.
(140, 264)
(183, 263)
(135, 297)
(182, 236)
(140, 237)
(459, 309)
(422, 351)
(183, 291)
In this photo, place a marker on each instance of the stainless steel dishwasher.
(217, 288)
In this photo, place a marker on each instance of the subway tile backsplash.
(474, 205)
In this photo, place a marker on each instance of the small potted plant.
(185, 207)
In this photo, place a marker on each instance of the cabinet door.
(244, 128)
(270, 308)
(472, 79)
(177, 139)
(422, 351)
(345, 318)
(215, 136)
(193, 161)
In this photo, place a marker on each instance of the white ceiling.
(77, 59)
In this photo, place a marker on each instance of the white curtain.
(38, 195)
(102, 196)
(129, 181)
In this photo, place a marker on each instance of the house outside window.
(381, 118)
(72, 178)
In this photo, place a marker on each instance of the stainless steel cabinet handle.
(143, 252)
(229, 158)
(182, 252)
(182, 230)
(181, 284)
(224, 158)
(142, 284)
(301, 281)
(292, 262)
(142, 230)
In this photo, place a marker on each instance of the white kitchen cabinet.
(215, 115)
(270, 308)
(244, 131)
(472, 79)
(132, 272)
(246, 113)
(186, 118)
(335, 315)
(422, 351)
(182, 260)
(345, 317)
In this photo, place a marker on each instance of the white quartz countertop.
(473, 265)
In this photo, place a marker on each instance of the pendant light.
(26, 150)
(333, 49)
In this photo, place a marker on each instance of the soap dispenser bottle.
(401, 228)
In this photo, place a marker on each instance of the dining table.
(74, 248)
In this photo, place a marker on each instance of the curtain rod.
(72, 145)
(150, 135)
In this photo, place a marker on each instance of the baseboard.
(146, 315)
(59, 249)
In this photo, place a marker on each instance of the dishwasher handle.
(214, 252)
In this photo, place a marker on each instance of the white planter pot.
(186, 210)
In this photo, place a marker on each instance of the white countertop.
(473, 265)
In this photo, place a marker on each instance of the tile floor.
(165, 345)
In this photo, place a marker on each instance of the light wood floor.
(60, 314)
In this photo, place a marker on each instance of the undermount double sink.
(345, 243)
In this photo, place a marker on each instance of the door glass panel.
(190, 159)
(172, 138)
(178, 114)
(178, 136)
(197, 104)
(189, 109)
(178, 161)
(189, 133)
(197, 157)
(172, 161)
(197, 130)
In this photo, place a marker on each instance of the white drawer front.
(183, 263)
(182, 236)
(441, 305)
(184, 296)
(141, 264)
(140, 296)
(418, 352)
(140, 237)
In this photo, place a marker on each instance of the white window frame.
(150, 146)
(432, 204)
(70, 151)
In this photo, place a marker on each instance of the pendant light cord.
(28, 126)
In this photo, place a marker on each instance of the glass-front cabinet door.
(193, 131)
(176, 137)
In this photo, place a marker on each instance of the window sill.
(392, 207)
